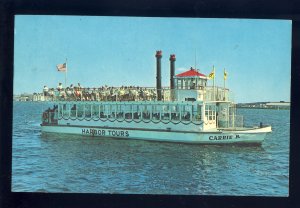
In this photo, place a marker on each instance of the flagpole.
(66, 74)
(214, 83)
(224, 83)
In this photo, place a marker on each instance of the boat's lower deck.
(217, 136)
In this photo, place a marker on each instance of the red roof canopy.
(190, 73)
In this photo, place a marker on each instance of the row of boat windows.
(191, 83)
(146, 112)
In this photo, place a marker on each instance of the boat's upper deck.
(182, 93)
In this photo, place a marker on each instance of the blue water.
(60, 163)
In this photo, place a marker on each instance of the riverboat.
(188, 111)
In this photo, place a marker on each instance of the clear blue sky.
(121, 51)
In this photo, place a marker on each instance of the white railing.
(232, 121)
(218, 94)
(236, 121)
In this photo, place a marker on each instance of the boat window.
(210, 112)
(178, 84)
(128, 111)
(120, 108)
(73, 110)
(87, 110)
(107, 110)
(68, 109)
(123, 108)
(213, 112)
(200, 83)
(155, 112)
(136, 112)
(175, 115)
(128, 115)
(196, 112)
(95, 110)
(102, 111)
(165, 112)
(146, 111)
(210, 115)
(183, 84)
(110, 111)
(185, 112)
(192, 84)
(186, 84)
(79, 110)
(64, 110)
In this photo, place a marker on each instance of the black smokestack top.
(172, 70)
(158, 56)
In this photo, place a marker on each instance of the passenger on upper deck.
(59, 87)
(45, 90)
(77, 93)
(80, 87)
(69, 92)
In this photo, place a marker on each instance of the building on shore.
(23, 97)
(38, 97)
(266, 105)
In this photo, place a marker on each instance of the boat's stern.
(49, 117)
(261, 129)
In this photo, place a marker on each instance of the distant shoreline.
(280, 108)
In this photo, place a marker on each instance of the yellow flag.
(212, 74)
(225, 74)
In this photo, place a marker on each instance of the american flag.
(61, 67)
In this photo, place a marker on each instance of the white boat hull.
(243, 136)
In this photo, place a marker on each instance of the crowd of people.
(103, 93)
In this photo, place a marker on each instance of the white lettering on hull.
(224, 137)
(102, 132)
